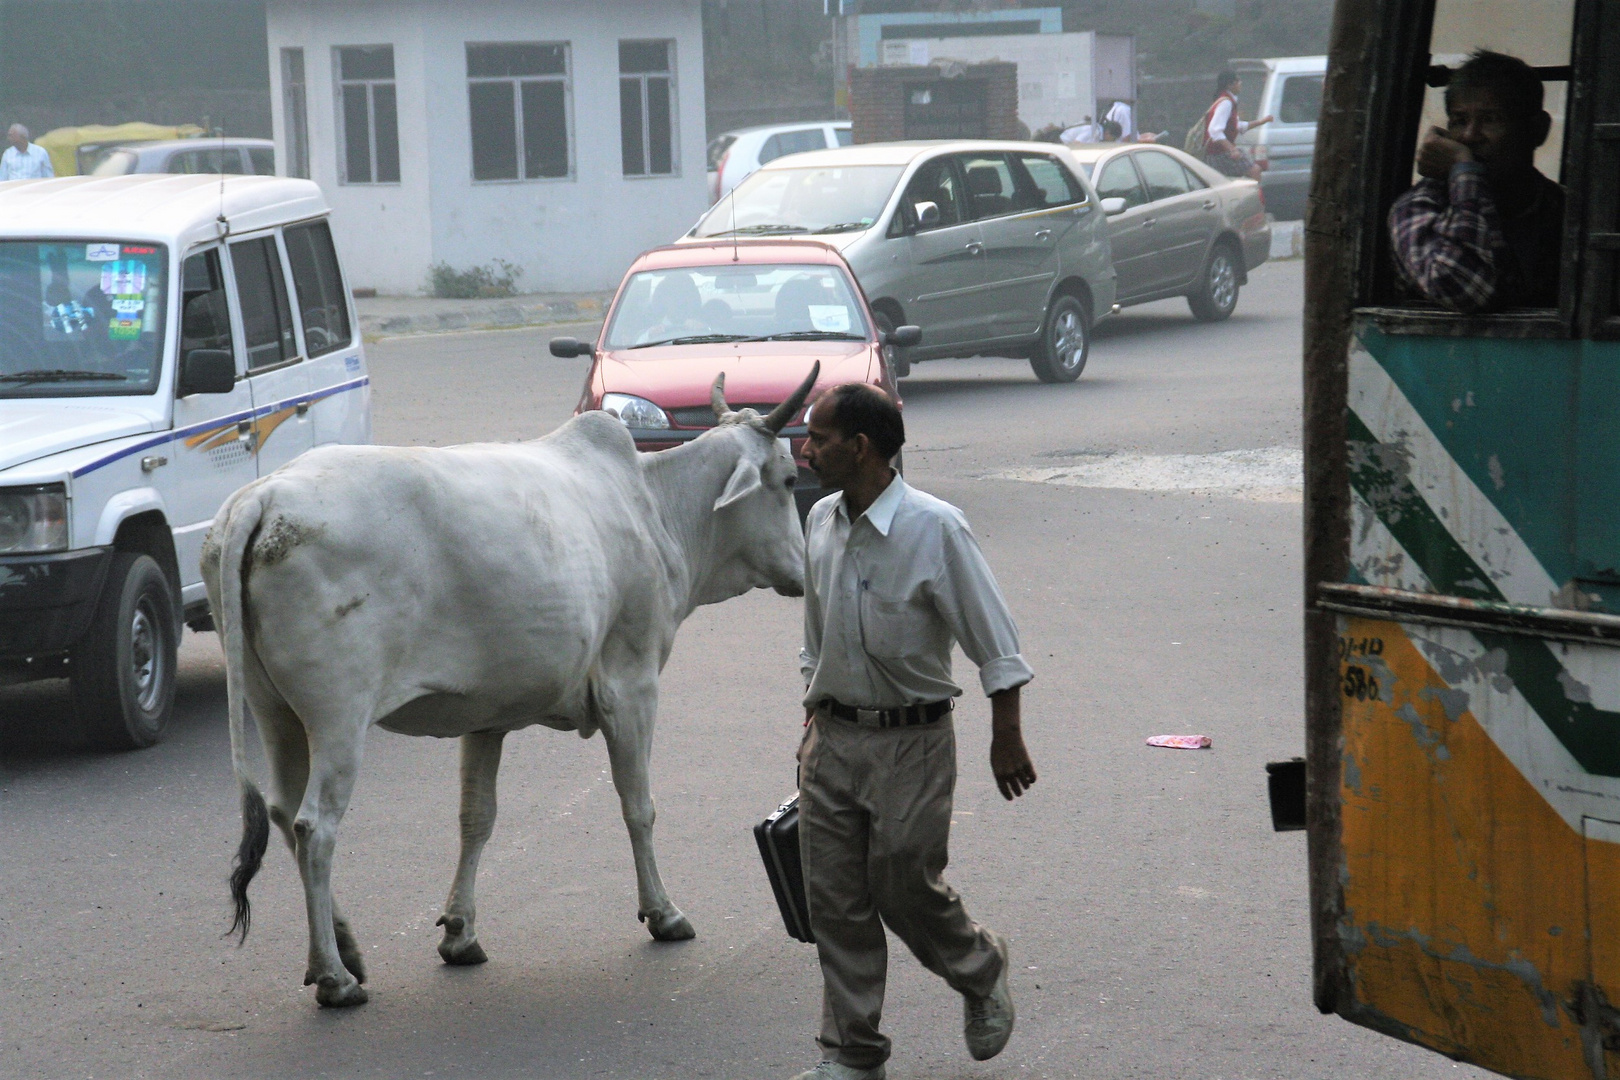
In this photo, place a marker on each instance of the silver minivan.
(1288, 88)
(992, 248)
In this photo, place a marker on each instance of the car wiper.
(746, 229)
(694, 339)
(810, 335)
(62, 375)
(844, 226)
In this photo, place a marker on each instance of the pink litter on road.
(1181, 742)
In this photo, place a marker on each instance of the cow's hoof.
(349, 951)
(669, 925)
(459, 946)
(339, 991)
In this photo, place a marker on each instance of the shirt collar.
(881, 512)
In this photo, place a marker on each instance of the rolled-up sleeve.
(969, 600)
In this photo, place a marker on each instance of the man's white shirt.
(886, 595)
(33, 163)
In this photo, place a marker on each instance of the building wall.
(1056, 84)
(568, 234)
(877, 106)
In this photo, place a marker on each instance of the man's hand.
(1438, 153)
(1009, 760)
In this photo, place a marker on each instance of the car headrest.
(984, 180)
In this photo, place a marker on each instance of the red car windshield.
(736, 302)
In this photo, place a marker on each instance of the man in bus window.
(1480, 231)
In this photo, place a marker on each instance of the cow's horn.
(784, 412)
(717, 397)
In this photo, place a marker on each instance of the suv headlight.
(634, 411)
(33, 519)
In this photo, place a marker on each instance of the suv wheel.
(1065, 343)
(899, 363)
(124, 669)
(1215, 296)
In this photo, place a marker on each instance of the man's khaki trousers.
(874, 826)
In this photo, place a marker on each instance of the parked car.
(996, 248)
(735, 155)
(248, 157)
(151, 367)
(1288, 88)
(762, 312)
(1177, 227)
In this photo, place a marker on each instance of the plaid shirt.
(1448, 240)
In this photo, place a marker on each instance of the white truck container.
(163, 341)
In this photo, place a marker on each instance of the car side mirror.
(927, 214)
(567, 347)
(1113, 206)
(903, 336)
(206, 371)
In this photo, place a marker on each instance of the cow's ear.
(744, 482)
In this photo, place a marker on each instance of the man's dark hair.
(1224, 80)
(860, 409)
(1111, 130)
(1515, 83)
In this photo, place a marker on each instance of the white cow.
(467, 592)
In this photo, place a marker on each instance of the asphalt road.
(1158, 926)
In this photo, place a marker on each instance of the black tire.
(1065, 344)
(1215, 296)
(124, 669)
(899, 362)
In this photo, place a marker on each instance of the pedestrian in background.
(892, 578)
(24, 160)
(1221, 127)
(1121, 113)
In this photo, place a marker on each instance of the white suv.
(735, 155)
(163, 341)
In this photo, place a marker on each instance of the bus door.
(1463, 561)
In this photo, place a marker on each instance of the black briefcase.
(778, 837)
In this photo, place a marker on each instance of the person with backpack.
(1214, 137)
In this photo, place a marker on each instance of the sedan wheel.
(1065, 342)
(1215, 296)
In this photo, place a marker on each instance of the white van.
(1290, 89)
(163, 341)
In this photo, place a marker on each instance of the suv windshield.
(822, 199)
(709, 304)
(81, 318)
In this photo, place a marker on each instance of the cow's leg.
(628, 729)
(480, 760)
(286, 750)
(335, 753)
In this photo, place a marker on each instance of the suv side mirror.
(927, 214)
(567, 347)
(1116, 205)
(206, 371)
(903, 336)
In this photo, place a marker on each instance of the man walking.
(24, 160)
(892, 577)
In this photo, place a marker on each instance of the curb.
(1287, 240)
(486, 316)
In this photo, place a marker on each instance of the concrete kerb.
(1287, 240)
(395, 316)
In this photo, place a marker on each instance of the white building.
(564, 136)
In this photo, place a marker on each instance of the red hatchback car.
(761, 312)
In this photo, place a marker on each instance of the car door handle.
(1148, 223)
(1043, 234)
(303, 408)
(973, 247)
(1208, 204)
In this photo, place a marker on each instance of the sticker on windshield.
(123, 277)
(125, 329)
(128, 305)
(830, 318)
(100, 252)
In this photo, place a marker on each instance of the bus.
(1462, 571)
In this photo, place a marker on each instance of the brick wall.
(879, 96)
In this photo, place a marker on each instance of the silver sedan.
(1176, 226)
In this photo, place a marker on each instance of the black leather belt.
(905, 716)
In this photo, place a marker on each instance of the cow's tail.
(242, 526)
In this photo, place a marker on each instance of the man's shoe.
(987, 1022)
(831, 1070)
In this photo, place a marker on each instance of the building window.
(368, 114)
(647, 107)
(518, 98)
(294, 112)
